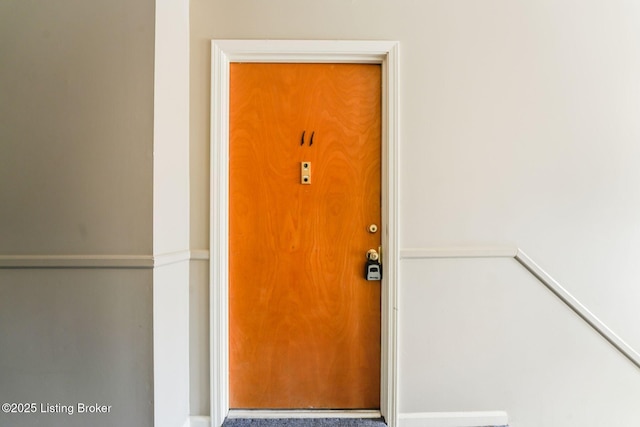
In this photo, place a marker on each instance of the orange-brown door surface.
(304, 322)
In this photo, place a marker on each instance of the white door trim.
(223, 52)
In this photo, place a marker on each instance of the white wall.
(518, 127)
(486, 335)
(199, 371)
(171, 128)
(171, 213)
(171, 344)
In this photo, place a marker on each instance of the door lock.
(373, 268)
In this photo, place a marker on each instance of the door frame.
(224, 52)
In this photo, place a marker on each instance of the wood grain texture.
(304, 324)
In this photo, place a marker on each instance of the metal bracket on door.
(305, 173)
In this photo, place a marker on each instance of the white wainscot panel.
(480, 334)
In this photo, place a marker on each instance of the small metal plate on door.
(305, 173)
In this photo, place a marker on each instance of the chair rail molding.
(543, 277)
(102, 260)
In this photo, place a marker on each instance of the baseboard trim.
(319, 413)
(453, 419)
(199, 421)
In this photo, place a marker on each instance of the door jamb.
(223, 52)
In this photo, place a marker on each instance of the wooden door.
(304, 323)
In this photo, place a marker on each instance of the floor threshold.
(303, 414)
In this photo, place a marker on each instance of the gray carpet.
(305, 422)
(308, 422)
